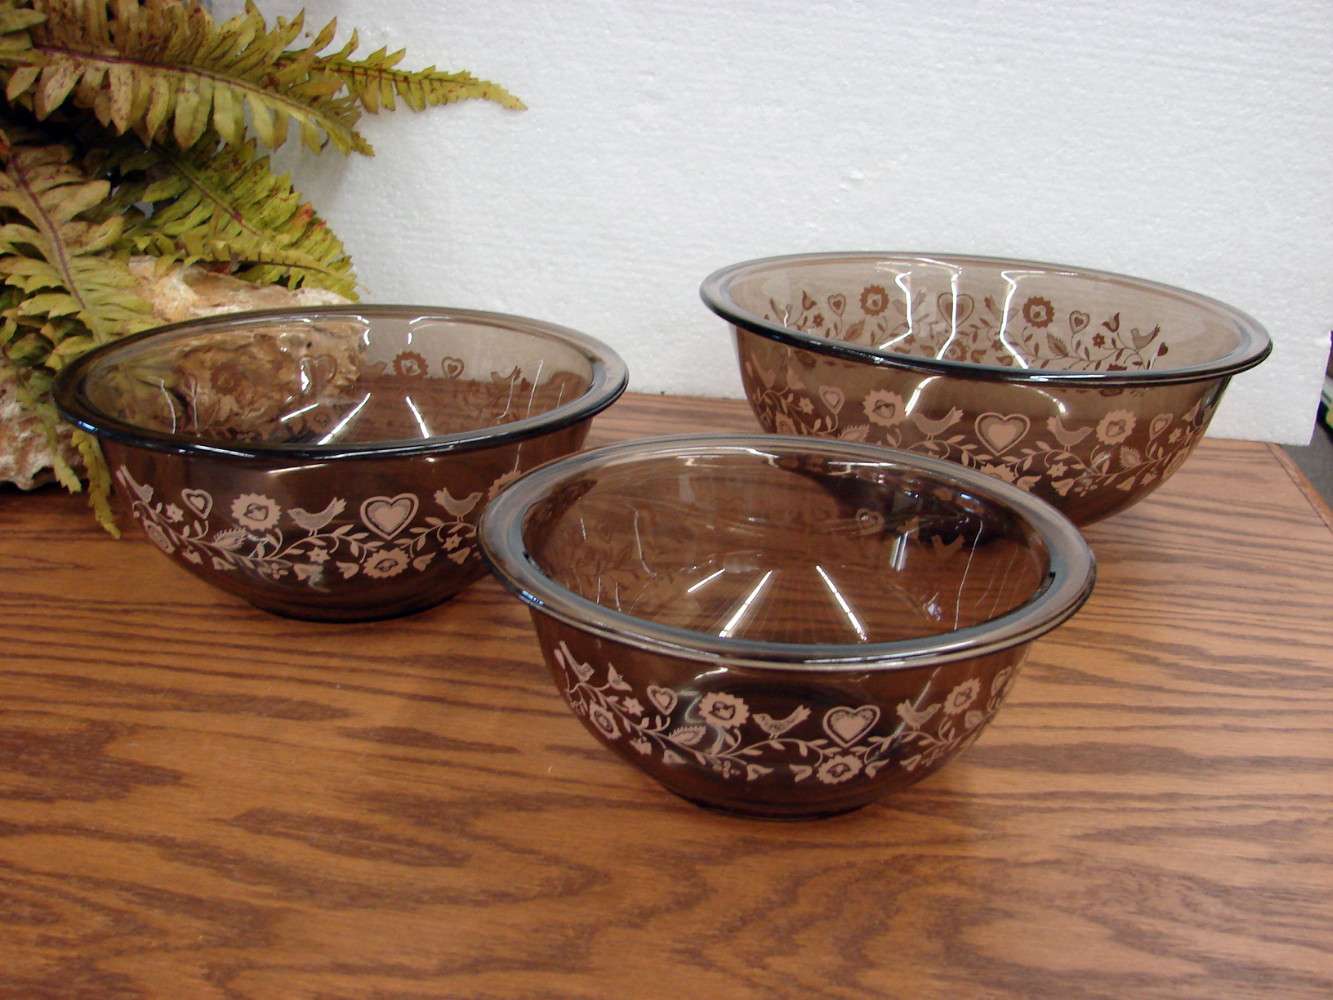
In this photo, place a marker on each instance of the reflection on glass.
(755, 545)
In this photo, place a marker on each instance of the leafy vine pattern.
(721, 732)
(958, 328)
(1122, 449)
(252, 533)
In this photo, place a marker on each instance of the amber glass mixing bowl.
(781, 626)
(332, 464)
(1088, 389)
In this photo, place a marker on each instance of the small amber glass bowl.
(779, 626)
(1089, 389)
(332, 464)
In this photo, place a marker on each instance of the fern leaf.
(265, 264)
(166, 68)
(33, 389)
(375, 82)
(97, 75)
(48, 246)
(227, 206)
(16, 44)
(99, 480)
(14, 19)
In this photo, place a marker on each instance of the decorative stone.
(27, 454)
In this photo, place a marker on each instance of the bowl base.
(348, 616)
(779, 817)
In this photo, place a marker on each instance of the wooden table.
(198, 800)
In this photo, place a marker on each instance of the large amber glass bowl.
(782, 626)
(1086, 388)
(332, 464)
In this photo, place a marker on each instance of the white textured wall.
(1190, 142)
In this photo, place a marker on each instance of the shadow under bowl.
(331, 464)
(778, 626)
(1086, 388)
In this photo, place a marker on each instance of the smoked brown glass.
(332, 464)
(780, 626)
(1089, 389)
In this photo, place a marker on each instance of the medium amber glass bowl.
(781, 626)
(332, 464)
(1088, 389)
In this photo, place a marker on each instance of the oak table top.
(199, 800)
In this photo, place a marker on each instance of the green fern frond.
(376, 82)
(130, 126)
(166, 68)
(99, 479)
(15, 43)
(62, 292)
(265, 264)
(32, 384)
(52, 254)
(225, 205)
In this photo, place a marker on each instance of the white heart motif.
(664, 699)
(387, 516)
(847, 725)
(199, 501)
(999, 433)
(833, 397)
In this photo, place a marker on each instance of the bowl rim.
(1067, 585)
(610, 378)
(1253, 346)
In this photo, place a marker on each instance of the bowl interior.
(989, 312)
(337, 378)
(755, 544)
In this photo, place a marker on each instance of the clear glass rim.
(610, 377)
(1068, 583)
(1253, 342)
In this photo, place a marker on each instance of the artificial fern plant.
(138, 127)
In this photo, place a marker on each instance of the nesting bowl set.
(786, 624)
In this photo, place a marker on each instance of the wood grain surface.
(199, 800)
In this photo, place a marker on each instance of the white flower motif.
(158, 536)
(725, 710)
(501, 482)
(382, 565)
(255, 511)
(1115, 426)
(962, 696)
(838, 769)
(999, 472)
(604, 721)
(884, 407)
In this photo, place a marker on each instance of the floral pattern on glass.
(722, 733)
(252, 533)
(224, 391)
(1058, 457)
(1029, 332)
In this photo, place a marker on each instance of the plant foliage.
(139, 127)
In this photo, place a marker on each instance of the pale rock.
(176, 294)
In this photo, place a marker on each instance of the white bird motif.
(940, 424)
(455, 506)
(314, 522)
(776, 727)
(1064, 435)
